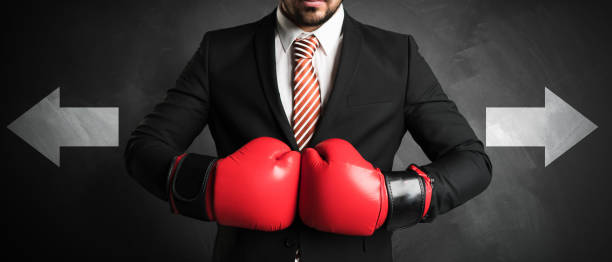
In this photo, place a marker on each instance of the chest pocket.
(361, 100)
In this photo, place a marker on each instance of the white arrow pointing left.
(47, 126)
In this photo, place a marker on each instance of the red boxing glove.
(256, 186)
(340, 192)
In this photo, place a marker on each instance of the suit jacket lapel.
(266, 64)
(349, 58)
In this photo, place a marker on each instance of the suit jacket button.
(289, 242)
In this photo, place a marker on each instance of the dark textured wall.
(484, 52)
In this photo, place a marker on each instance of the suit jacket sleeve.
(154, 154)
(460, 169)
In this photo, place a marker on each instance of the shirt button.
(289, 242)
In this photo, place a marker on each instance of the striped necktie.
(306, 93)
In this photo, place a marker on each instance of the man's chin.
(313, 21)
(313, 18)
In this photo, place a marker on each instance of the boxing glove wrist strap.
(187, 184)
(409, 196)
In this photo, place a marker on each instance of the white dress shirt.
(325, 58)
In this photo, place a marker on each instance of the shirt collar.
(328, 34)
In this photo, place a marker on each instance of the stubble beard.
(301, 19)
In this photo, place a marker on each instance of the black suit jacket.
(383, 88)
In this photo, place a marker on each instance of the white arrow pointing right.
(557, 126)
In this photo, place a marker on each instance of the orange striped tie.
(306, 93)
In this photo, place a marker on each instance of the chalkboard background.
(485, 53)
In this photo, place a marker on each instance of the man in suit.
(307, 107)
